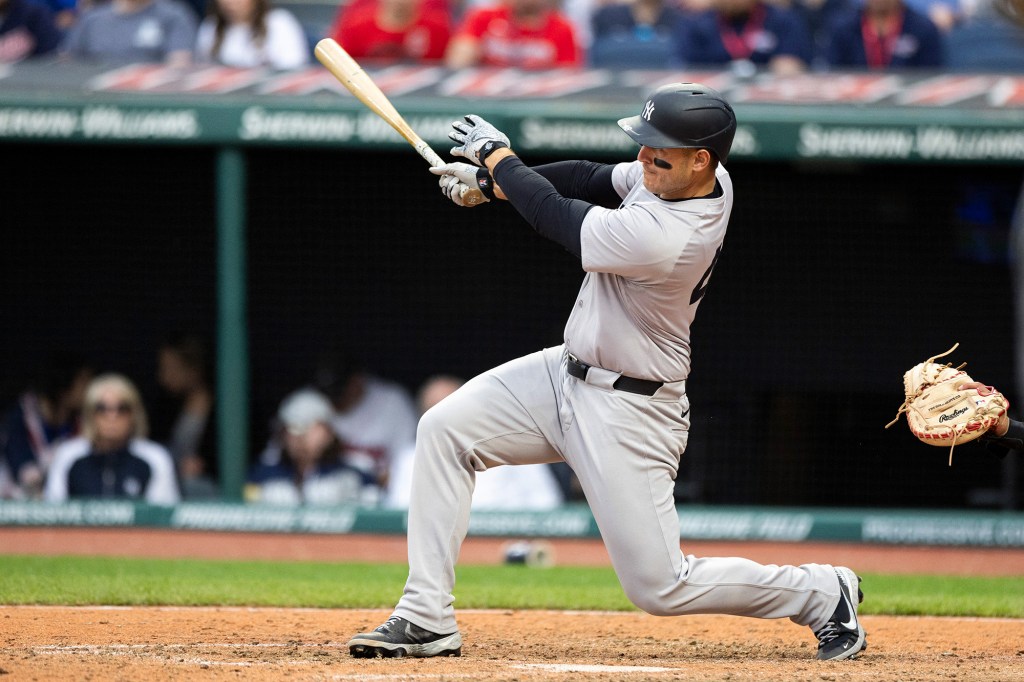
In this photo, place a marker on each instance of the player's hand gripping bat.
(351, 75)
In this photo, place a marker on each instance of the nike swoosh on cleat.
(852, 623)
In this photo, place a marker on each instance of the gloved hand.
(455, 190)
(476, 139)
(945, 406)
(457, 178)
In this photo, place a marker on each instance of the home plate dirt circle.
(183, 643)
(571, 668)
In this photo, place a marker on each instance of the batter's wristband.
(489, 148)
(485, 183)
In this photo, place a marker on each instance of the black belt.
(623, 383)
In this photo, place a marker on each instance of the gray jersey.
(147, 35)
(647, 263)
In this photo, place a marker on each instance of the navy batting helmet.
(684, 116)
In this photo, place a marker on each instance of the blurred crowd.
(342, 436)
(747, 36)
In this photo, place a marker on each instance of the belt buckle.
(575, 362)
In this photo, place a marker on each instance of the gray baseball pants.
(624, 448)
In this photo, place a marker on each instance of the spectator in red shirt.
(883, 35)
(528, 34)
(393, 30)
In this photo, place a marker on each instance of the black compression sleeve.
(586, 180)
(1012, 439)
(552, 215)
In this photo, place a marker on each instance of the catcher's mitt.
(940, 412)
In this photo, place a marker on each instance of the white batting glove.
(455, 189)
(476, 139)
(458, 178)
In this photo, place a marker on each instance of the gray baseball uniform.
(647, 262)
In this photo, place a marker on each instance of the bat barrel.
(348, 72)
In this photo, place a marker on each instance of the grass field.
(117, 581)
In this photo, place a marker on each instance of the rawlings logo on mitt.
(941, 411)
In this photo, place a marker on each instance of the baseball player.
(611, 401)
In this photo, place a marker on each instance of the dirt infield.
(122, 643)
(91, 643)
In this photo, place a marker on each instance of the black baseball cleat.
(843, 636)
(398, 637)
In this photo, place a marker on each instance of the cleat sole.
(373, 645)
(366, 651)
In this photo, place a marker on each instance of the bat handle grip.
(470, 195)
(429, 154)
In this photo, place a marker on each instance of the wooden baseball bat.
(341, 64)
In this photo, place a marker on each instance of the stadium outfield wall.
(925, 117)
(887, 527)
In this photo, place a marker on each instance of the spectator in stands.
(393, 30)
(399, 481)
(636, 33)
(819, 15)
(134, 31)
(527, 34)
(183, 416)
(986, 42)
(885, 34)
(113, 458)
(199, 7)
(252, 33)
(1012, 10)
(945, 14)
(580, 14)
(747, 35)
(27, 29)
(528, 487)
(375, 417)
(65, 12)
(313, 468)
(45, 415)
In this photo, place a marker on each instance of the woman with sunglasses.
(113, 458)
